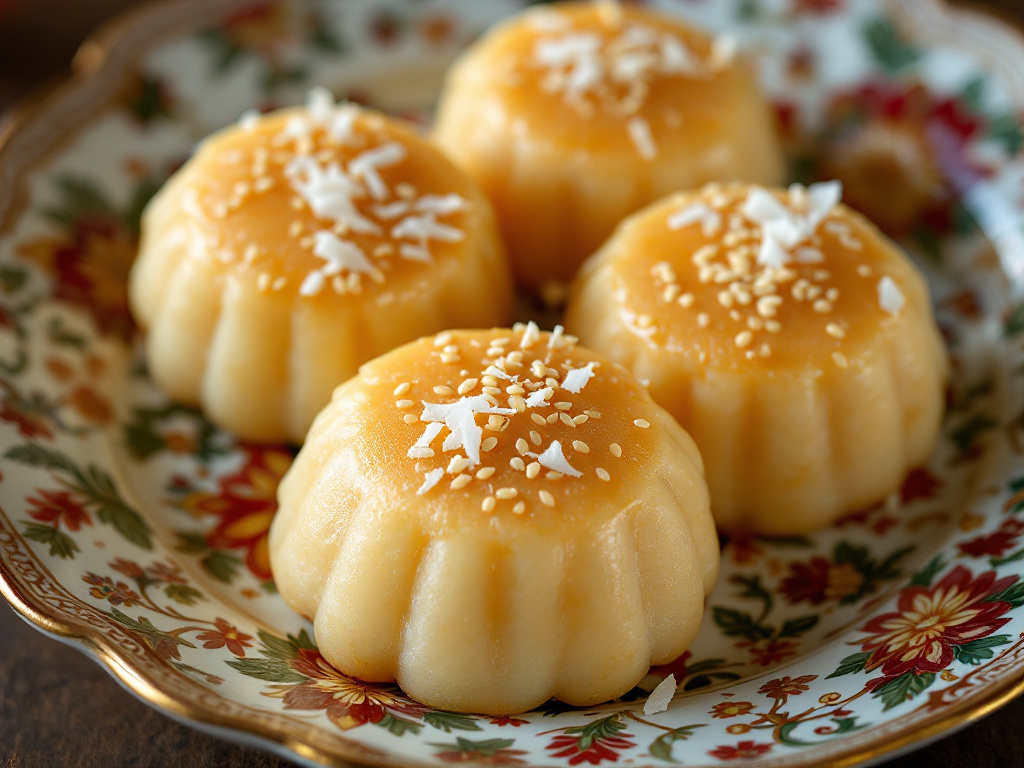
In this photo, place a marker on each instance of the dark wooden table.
(59, 708)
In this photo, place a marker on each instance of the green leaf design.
(735, 623)
(845, 725)
(798, 626)
(1015, 322)
(145, 628)
(978, 650)
(61, 545)
(661, 747)
(12, 279)
(995, 562)
(926, 575)
(191, 542)
(60, 335)
(450, 721)
(399, 726)
(599, 729)
(704, 680)
(888, 46)
(144, 439)
(127, 522)
(222, 566)
(95, 485)
(286, 648)
(851, 664)
(903, 688)
(79, 198)
(1013, 594)
(270, 670)
(967, 435)
(485, 748)
(1006, 129)
(183, 594)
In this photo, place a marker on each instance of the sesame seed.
(743, 338)
(765, 350)
(535, 437)
(580, 419)
(519, 508)
(755, 323)
(703, 320)
(488, 504)
(642, 423)
(772, 326)
(532, 469)
(839, 359)
(767, 305)
(671, 293)
(506, 493)
(580, 447)
(566, 419)
(832, 294)
(592, 413)
(823, 305)
(546, 499)
(457, 464)
(491, 390)
(522, 446)
(488, 444)
(834, 330)
(403, 404)
(467, 386)
(645, 321)
(263, 281)
(686, 300)
(864, 270)
(279, 283)
(538, 419)
(494, 422)
(442, 390)
(603, 474)
(443, 339)
(461, 482)
(615, 449)
(484, 472)
(552, 475)
(725, 298)
(563, 405)
(517, 463)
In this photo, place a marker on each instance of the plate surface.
(132, 528)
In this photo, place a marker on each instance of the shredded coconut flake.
(640, 134)
(554, 459)
(340, 254)
(248, 119)
(365, 166)
(890, 297)
(539, 399)
(577, 378)
(421, 449)
(696, 212)
(442, 204)
(661, 696)
(430, 479)
(531, 335)
(460, 418)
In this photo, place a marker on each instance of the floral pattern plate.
(132, 528)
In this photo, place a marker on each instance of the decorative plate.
(133, 529)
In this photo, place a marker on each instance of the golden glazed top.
(737, 276)
(324, 200)
(510, 422)
(598, 74)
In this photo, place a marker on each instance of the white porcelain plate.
(131, 527)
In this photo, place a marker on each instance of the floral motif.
(225, 636)
(995, 544)
(490, 752)
(58, 507)
(728, 709)
(745, 750)
(930, 622)
(594, 743)
(786, 686)
(848, 576)
(244, 506)
(105, 588)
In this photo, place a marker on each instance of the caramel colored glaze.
(561, 176)
(484, 606)
(820, 416)
(228, 242)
